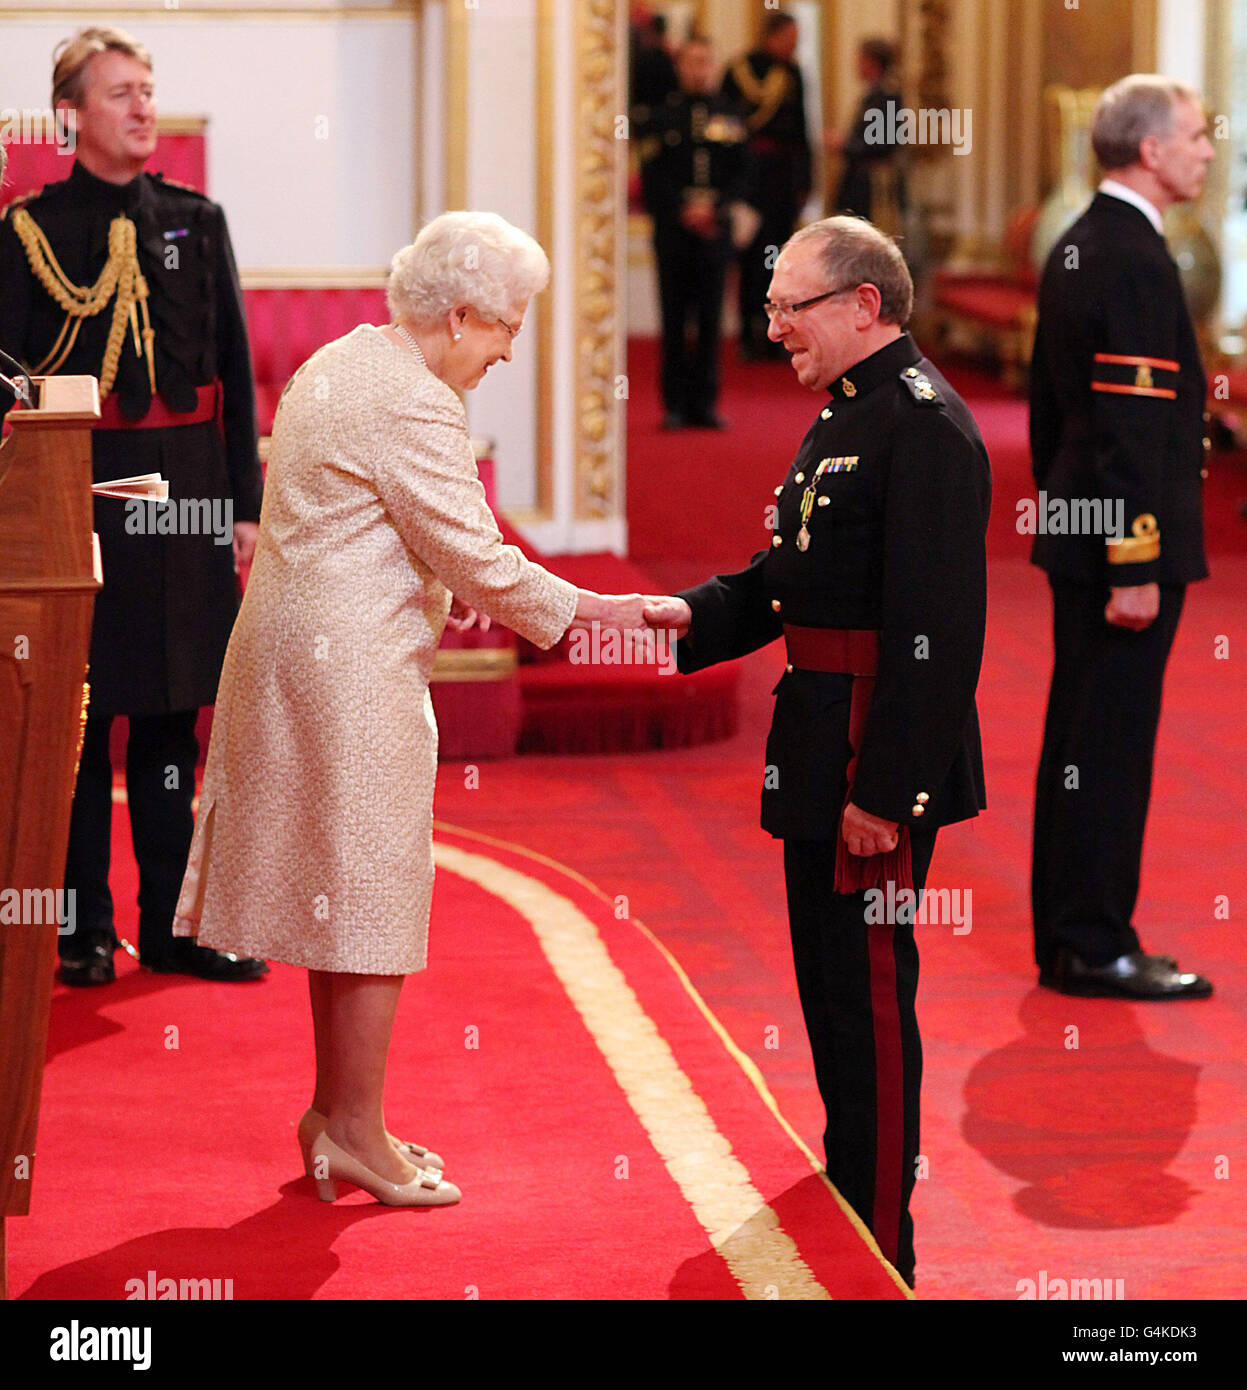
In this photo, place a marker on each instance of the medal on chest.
(807, 505)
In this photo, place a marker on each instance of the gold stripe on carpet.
(740, 1057)
(763, 1258)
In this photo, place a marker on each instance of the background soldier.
(768, 84)
(865, 153)
(116, 274)
(1117, 401)
(876, 579)
(694, 170)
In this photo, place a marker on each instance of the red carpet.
(1084, 1139)
(607, 1148)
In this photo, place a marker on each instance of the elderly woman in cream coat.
(314, 839)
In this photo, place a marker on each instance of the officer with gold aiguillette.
(695, 179)
(767, 82)
(121, 275)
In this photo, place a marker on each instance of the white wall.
(502, 177)
(1180, 30)
(294, 103)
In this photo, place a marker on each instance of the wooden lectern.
(49, 573)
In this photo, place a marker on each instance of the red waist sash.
(852, 652)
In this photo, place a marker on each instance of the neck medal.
(807, 506)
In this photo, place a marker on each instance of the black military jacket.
(877, 115)
(772, 93)
(693, 143)
(1117, 404)
(896, 543)
(164, 615)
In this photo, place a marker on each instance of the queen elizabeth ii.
(313, 843)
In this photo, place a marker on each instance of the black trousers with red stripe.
(858, 983)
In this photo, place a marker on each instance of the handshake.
(626, 613)
(632, 612)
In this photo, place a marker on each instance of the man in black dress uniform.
(863, 151)
(875, 577)
(1117, 401)
(768, 84)
(652, 76)
(160, 323)
(694, 169)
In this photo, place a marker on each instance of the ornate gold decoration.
(474, 664)
(121, 276)
(82, 727)
(934, 30)
(1141, 545)
(599, 158)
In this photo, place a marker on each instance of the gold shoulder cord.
(766, 96)
(121, 274)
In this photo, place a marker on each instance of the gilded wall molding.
(598, 164)
(543, 507)
(456, 165)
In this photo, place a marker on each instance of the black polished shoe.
(673, 420)
(185, 957)
(710, 421)
(93, 968)
(1133, 976)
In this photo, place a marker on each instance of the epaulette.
(920, 387)
(181, 187)
(20, 201)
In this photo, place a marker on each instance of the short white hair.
(475, 258)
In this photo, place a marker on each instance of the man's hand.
(463, 616)
(668, 614)
(866, 834)
(1135, 607)
(245, 533)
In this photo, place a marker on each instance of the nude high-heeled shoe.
(313, 1123)
(331, 1164)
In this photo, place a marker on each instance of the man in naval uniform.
(1117, 427)
(768, 84)
(117, 274)
(694, 171)
(875, 576)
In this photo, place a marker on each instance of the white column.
(1180, 29)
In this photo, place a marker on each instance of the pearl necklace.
(411, 342)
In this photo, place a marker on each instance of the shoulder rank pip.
(920, 386)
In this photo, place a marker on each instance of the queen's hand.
(463, 616)
(626, 612)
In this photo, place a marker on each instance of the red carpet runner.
(1062, 1138)
(608, 1143)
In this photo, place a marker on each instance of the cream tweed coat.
(314, 839)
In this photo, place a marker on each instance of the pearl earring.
(458, 336)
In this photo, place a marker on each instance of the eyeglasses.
(775, 311)
(507, 326)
